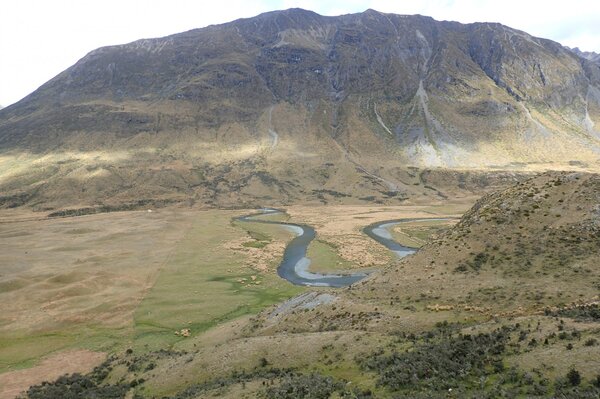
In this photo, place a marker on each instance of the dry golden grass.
(519, 252)
(342, 226)
(80, 270)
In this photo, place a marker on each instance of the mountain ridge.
(370, 93)
(588, 55)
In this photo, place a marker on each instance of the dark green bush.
(76, 386)
(300, 386)
(441, 363)
(574, 377)
(581, 313)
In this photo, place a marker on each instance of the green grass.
(325, 259)
(23, 350)
(200, 286)
(258, 236)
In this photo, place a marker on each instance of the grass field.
(129, 279)
(76, 282)
(202, 286)
(325, 258)
(114, 281)
(415, 234)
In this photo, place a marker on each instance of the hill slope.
(531, 246)
(264, 105)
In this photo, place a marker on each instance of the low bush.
(76, 386)
(300, 386)
(440, 363)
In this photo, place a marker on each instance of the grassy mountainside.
(276, 107)
(533, 245)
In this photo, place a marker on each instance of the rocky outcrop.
(589, 55)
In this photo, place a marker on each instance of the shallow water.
(294, 265)
(380, 232)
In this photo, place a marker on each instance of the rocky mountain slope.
(589, 55)
(289, 102)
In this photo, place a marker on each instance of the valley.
(113, 281)
(211, 317)
(294, 205)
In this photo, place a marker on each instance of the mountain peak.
(369, 93)
(294, 12)
(588, 55)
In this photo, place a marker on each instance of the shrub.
(574, 377)
(438, 364)
(76, 386)
(581, 313)
(299, 386)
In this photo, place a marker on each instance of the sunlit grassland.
(203, 284)
(325, 258)
(125, 279)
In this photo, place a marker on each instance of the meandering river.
(380, 232)
(294, 265)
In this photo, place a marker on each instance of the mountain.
(588, 55)
(291, 105)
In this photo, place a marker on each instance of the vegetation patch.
(440, 361)
(300, 386)
(77, 386)
(580, 313)
(445, 361)
(131, 206)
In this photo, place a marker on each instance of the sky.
(41, 38)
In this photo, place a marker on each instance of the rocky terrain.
(590, 55)
(293, 106)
